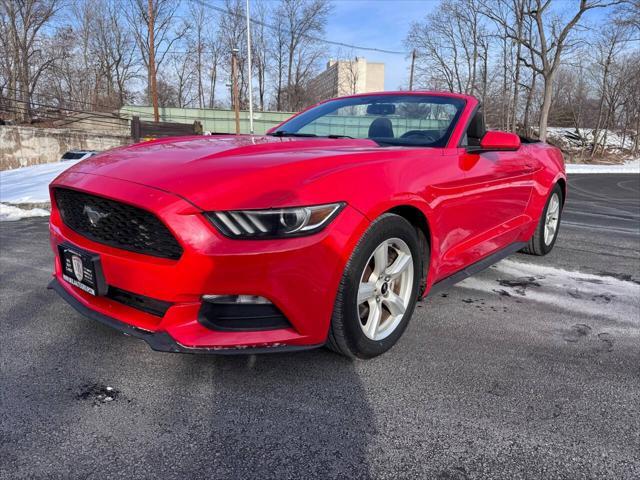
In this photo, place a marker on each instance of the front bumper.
(162, 341)
(300, 276)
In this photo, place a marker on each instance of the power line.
(52, 96)
(94, 120)
(50, 118)
(310, 37)
(40, 116)
(96, 115)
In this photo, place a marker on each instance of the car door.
(498, 186)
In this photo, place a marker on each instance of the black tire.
(345, 333)
(537, 245)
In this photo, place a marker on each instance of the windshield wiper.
(401, 142)
(282, 133)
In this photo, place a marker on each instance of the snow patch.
(30, 184)
(630, 166)
(10, 213)
(601, 296)
(572, 138)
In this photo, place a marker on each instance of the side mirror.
(494, 141)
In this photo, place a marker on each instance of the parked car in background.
(325, 231)
(78, 154)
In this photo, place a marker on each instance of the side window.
(475, 130)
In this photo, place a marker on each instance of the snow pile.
(10, 213)
(630, 166)
(30, 184)
(580, 138)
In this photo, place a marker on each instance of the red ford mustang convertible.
(325, 231)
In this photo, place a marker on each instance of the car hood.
(246, 171)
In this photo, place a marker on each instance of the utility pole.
(234, 87)
(413, 63)
(249, 65)
(152, 64)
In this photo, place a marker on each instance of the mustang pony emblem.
(94, 215)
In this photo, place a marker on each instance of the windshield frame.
(293, 125)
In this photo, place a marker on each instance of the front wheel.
(546, 232)
(379, 289)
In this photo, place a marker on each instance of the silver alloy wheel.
(551, 219)
(385, 288)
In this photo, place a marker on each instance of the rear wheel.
(546, 233)
(378, 291)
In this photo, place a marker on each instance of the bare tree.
(352, 76)
(165, 33)
(553, 39)
(303, 21)
(7, 77)
(260, 49)
(628, 14)
(608, 47)
(451, 45)
(232, 35)
(114, 49)
(509, 17)
(198, 39)
(182, 74)
(24, 21)
(214, 65)
(277, 53)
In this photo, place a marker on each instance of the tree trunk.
(261, 75)
(519, 10)
(636, 142)
(546, 106)
(25, 89)
(279, 92)
(212, 86)
(289, 75)
(504, 121)
(603, 92)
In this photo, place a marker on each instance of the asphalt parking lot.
(529, 370)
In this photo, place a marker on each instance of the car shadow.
(272, 416)
(297, 415)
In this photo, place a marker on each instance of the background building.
(348, 77)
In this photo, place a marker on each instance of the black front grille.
(116, 224)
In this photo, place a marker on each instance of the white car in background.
(78, 155)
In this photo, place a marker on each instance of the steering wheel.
(420, 135)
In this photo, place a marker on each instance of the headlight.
(274, 223)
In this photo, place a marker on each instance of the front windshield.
(399, 120)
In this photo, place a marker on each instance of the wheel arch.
(418, 219)
(563, 186)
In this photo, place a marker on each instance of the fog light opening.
(251, 299)
(240, 313)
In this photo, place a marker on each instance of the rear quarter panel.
(549, 170)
